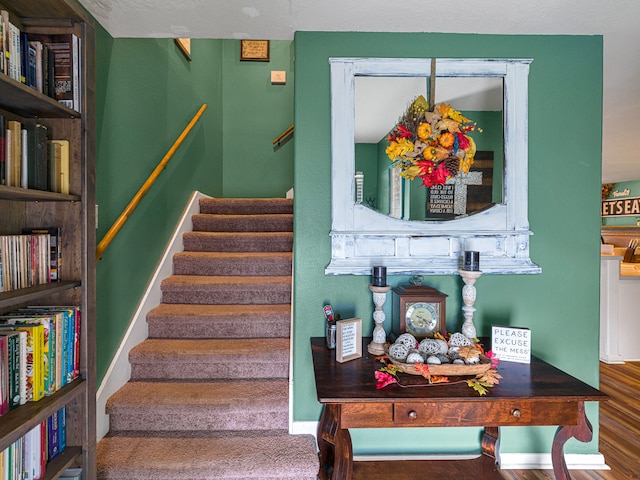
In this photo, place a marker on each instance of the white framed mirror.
(362, 237)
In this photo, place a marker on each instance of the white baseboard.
(542, 461)
(119, 371)
(508, 461)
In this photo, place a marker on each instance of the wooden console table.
(528, 394)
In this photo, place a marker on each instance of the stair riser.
(225, 295)
(251, 206)
(185, 265)
(200, 242)
(196, 419)
(216, 223)
(175, 369)
(219, 328)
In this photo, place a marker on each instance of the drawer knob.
(516, 413)
(413, 414)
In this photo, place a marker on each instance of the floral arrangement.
(607, 188)
(432, 145)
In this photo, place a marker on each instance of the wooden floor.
(619, 440)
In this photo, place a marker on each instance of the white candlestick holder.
(469, 297)
(376, 347)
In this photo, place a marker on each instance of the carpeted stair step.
(279, 222)
(246, 206)
(200, 359)
(219, 321)
(240, 263)
(208, 290)
(238, 241)
(231, 405)
(288, 457)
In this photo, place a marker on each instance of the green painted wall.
(255, 112)
(561, 305)
(146, 93)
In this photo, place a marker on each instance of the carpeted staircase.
(208, 395)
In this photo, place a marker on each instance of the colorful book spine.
(35, 361)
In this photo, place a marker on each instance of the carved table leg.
(582, 432)
(343, 464)
(326, 439)
(491, 442)
(334, 445)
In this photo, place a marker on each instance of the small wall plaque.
(254, 50)
(348, 339)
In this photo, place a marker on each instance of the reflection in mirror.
(362, 237)
(381, 101)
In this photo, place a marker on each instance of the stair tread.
(190, 311)
(257, 457)
(259, 395)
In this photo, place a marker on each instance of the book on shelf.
(61, 340)
(3, 150)
(27, 457)
(35, 360)
(36, 162)
(14, 152)
(70, 338)
(66, 49)
(5, 374)
(48, 322)
(55, 249)
(22, 360)
(59, 166)
(2, 42)
(48, 63)
(10, 364)
(27, 259)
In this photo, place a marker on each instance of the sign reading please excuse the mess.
(511, 344)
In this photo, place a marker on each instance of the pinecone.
(453, 164)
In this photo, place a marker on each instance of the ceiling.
(616, 20)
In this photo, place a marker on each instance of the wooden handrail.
(283, 134)
(135, 201)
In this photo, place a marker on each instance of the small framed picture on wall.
(254, 50)
(348, 339)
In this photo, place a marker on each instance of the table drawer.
(515, 412)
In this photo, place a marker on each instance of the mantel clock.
(419, 310)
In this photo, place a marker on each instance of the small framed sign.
(254, 50)
(511, 344)
(348, 339)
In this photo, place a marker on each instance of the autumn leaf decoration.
(484, 380)
(388, 374)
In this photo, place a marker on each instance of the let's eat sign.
(621, 207)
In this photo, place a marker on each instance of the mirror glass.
(377, 218)
(381, 101)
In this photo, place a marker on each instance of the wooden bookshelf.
(74, 213)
